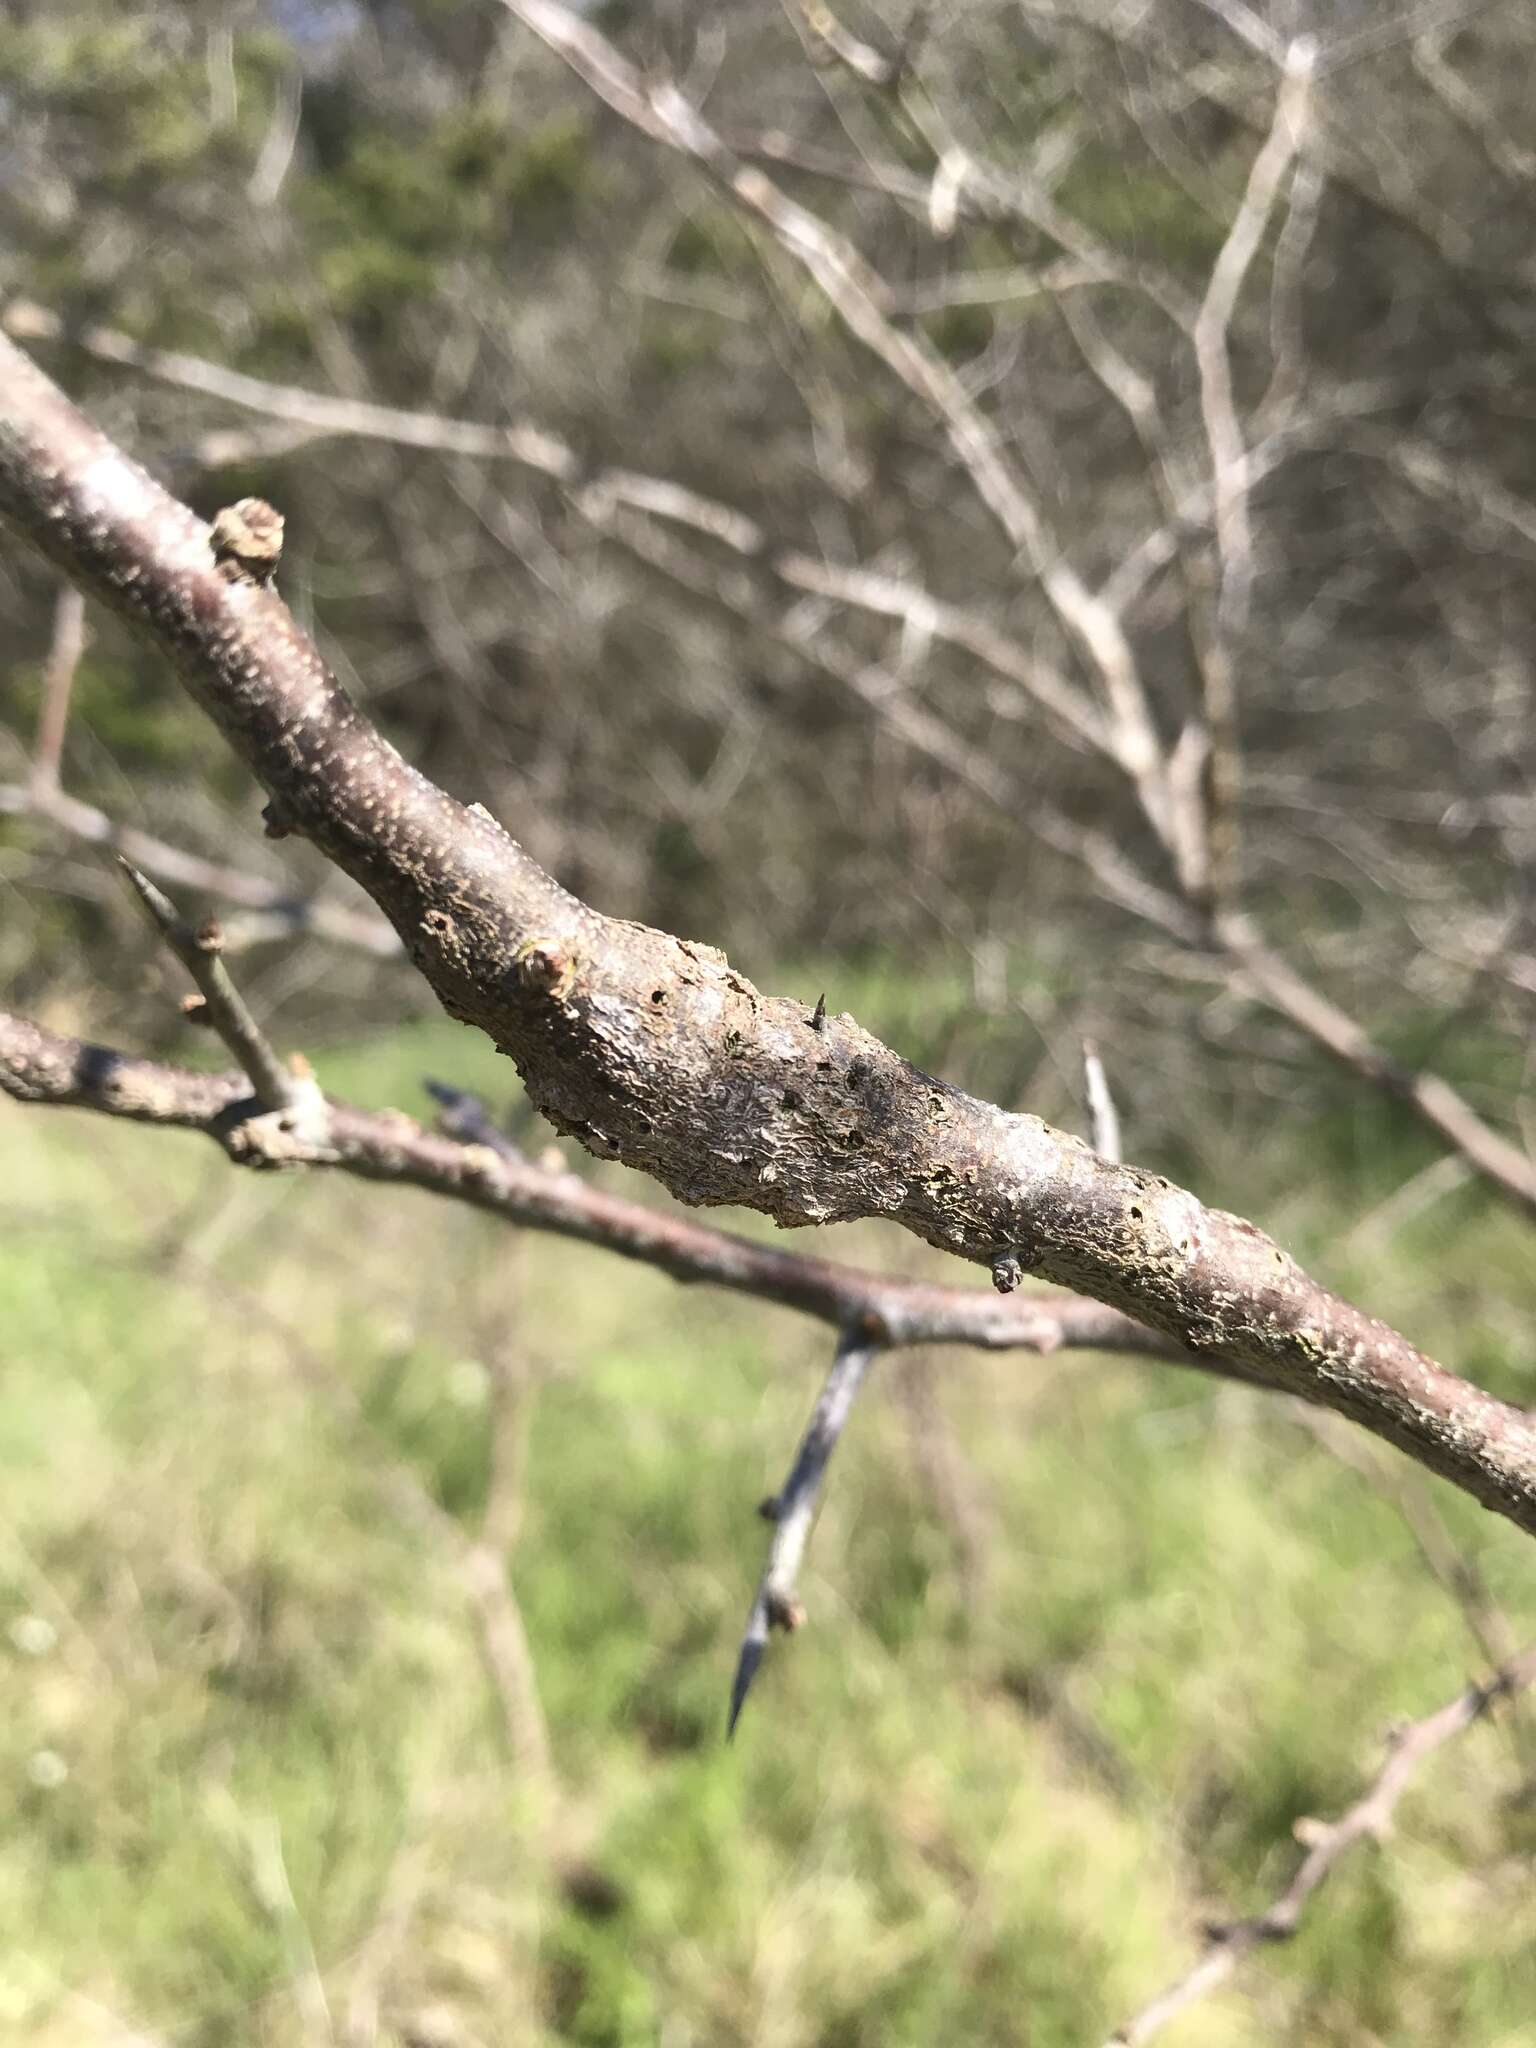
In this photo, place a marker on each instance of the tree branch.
(791, 1509)
(476, 1165)
(58, 683)
(657, 107)
(653, 1050)
(601, 497)
(220, 1004)
(1326, 1843)
(1199, 837)
(595, 494)
(268, 910)
(1228, 452)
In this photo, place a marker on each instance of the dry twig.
(265, 909)
(64, 654)
(1103, 1117)
(1228, 452)
(200, 949)
(1326, 1843)
(791, 1510)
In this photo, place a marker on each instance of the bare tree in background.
(1118, 503)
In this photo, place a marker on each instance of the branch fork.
(286, 1121)
(718, 1091)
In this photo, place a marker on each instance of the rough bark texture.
(653, 1050)
(48, 1069)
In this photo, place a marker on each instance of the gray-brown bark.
(50, 1070)
(653, 1050)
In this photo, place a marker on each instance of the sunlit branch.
(1326, 1843)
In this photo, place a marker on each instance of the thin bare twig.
(64, 654)
(1103, 1117)
(1250, 27)
(1117, 876)
(266, 910)
(860, 297)
(1508, 157)
(791, 1510)
(597, 494)
(1326, 1843)
(266, 180)
(1447, 1112)
(1457, 1570)
(275, 1085)
(1228, 451)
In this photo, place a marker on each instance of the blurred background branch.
(615, 524)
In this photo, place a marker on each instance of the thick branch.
(655, 1051)
(658, 108)
(603, 496)
(45, 1068)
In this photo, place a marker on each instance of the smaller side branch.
(265, 909)
(1103, 1117)
(1447, 1112)
(1327, 1842)
(1228, 450)
(58, 682)
(46, 1068)
(596, 494)
(791, 1510)
(200, 950)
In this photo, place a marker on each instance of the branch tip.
(277, 1087)
(775, 1606)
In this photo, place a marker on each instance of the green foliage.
(711, 242)
(982, 1798)
(1142, 211)
(387, 205)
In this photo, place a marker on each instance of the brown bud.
(785, 1612)
(247, 541)
(544, 967)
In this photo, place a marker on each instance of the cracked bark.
(50, 1070)
(654, 1050)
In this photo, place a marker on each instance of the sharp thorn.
(753, 1643)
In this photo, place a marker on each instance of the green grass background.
(1087, 1637)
